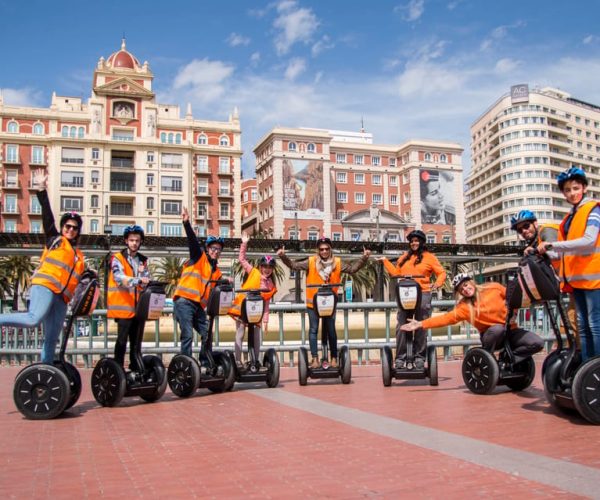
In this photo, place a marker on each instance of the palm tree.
(17, 271)
(365, 278)
(168, 270)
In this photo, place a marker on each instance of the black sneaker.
(419, 363)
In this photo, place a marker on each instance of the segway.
(146, 377)
(213, 370)
(481, 370)
(252, 311)
(408, 298)
(43, 391)
(325, 303)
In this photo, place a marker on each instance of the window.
(443, 158)
(447, 239)
(392, 162)
(94, 225)
(406, 197)
(224, 163)
(202, 139)
(170, 229)
(94, 201)
(37, 155)
(81, 132)
(224, 210)
(311, 148)
(405, 179)
(393, 180)
(170, 207)
(35, 226)
(377, 199)
(150, 179)
(171, 160)
(170, 138)
(150, 157)
(431, 238)
(337, 236)
(38, 129)
(35, 207)
(342, 197)
(340, 157)
(95, 154)
(340, 177)
(341, 214)
(64, 131)
(359, 178)
(376, 160)
(71, 179)
(150, 227)
(121, 208)
(177, 138)
(203, 186)
(72, 155)
(71, 203)
(12, 154)
(376, 179)
(253, 195)
(202, 163)
(292, 146)
(73, 132)
(10, 178)
(202, 210)
(163, 137)
(10, 226)
(393, 199)
(359, 159)
(427, 157)
(223, 187)
(359, 198)
(95, 175)
(12, 127)
(224, 231)
(10, 203)
(150, 203)
(172, 184)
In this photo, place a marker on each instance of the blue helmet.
(522, 216)
(135, 229)
(267, 260)
(211, 240)
(573, 173)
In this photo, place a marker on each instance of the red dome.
(123, 59)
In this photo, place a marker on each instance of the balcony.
(202, 169)
(121, 209)
(121, 162)
(11, 185)
(225, 171)
(171, 165)
(225, 193)
(13, 159)
(120, 137)
(72, 160)
(225, 216)
(122, 186)
(203, 193)
(10, 210)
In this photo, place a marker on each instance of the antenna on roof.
(362, 124)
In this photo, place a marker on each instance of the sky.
(414, 69)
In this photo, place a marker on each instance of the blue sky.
(414, 69)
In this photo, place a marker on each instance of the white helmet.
(459, 279)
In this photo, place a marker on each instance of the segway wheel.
(586, 390)
(74, 382)
(432, 366)
(108, 382)
(41, 391)
(302, 366)
(480, 371)
(183, 375)
(346, 363)
(527, 367)
(386, 365)
(155, 366)
(271, 361)
(225, 369)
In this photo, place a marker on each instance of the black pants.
(522, 342)
(419, 335)
(129, 329)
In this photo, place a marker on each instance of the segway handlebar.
(252, 290)
(408, 276)
(324, 285)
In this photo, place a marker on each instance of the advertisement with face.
(302, 188)
(438, 188)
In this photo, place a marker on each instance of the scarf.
(325, 268)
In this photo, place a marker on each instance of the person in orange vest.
(128, 277)
(416, 261)
(56, 278)
(484, 306)
(191, 295)
(322, 268)
(579, 248)
(526, 225)
(260, 277)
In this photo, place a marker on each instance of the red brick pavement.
(241, 445)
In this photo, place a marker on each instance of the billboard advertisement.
(519, 93)
(302, 188)
(438, 196)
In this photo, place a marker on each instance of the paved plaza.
(323, 440)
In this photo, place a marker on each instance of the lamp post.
(107, 232)
(297, 285)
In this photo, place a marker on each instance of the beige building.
(519, 146)
(121, 158)
(313, 182)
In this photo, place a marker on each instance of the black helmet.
(71, 216)
(135, 229)
(267, 260)
(417, 233)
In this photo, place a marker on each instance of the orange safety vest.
(578, 270)
(122, 301)
(314, 278)
(549, 233)
(252, 282)
(194, 282)
(60, 269)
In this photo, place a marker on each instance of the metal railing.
(376, 330)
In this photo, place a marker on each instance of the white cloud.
(22, 97)
(296, 67)
(498, 34)
(411, 11)
(203, 78)
(324, 43)
(506, 65)
(590, 39)
(423, 79)
(318, 77)
(255, 59)
(235, 40)
(294, 25)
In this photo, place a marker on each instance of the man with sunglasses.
(191, 295)
(57, 276)
(128, 277)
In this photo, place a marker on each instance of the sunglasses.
(324, 249)
(524, 227)
(215, 248)
(71, 227)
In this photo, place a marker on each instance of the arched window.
(427, 157)
(170, 141)
(224, 141)
(178, 139)
(292, 146)
(443, 158)
(38, 129)
(163, 137)
(202, 139)
(81, 132)
(73, 132)
(13, 127)
(65, 131)
(311, 148)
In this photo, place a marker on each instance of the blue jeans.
(329, 330)
(587, 303)
(191, 316)
(47, 308)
